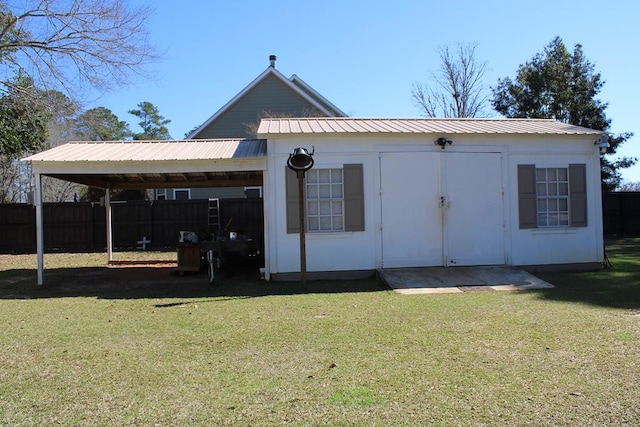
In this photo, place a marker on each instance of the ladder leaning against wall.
(214, 215)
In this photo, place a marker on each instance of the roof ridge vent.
(272, 61)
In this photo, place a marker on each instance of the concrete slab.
(430, 280)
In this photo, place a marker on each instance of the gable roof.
(349, 125)
(295, 83)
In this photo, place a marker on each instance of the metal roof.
(122, 151)
(349, 125)
(156, 164)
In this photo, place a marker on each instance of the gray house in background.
(271, 94)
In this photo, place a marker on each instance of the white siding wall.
(362, 250)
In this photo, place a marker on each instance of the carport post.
(39, 229)
(107, 204)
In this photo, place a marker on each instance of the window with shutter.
(334, 199)
(552, 197)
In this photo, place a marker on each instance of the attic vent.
(272, 60)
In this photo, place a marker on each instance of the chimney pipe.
(272, 60)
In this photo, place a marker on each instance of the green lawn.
(173, 351)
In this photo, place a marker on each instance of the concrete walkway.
(439, 280)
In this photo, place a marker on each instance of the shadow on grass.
(617, 286)
(161, 282)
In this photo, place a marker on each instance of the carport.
(112, 165)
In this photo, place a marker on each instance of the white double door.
(441, 209)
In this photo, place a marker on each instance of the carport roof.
(156, 164)
(122, 151)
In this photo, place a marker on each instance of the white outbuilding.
(389, 193)
(382, 193)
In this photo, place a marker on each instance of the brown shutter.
(293, 216)
(353, 197)
(527, 201)
(577, 195)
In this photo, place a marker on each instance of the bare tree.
(456, 89)
(629, 186)
(10, 181)
(64, 43)
(61, 128)
(251, 129)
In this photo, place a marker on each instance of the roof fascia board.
(254, 83)
(148, 166)
(297, 80)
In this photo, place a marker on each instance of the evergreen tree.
(154, 126)
(101, 124)
(562, 85)
(23, 119)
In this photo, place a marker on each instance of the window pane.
(552, 174)
(542, 220)
(336, 175)
(325, 208)
(313, 223)
(562, 174)
(336, 208)
(553, 190)
(325, 223)
(312, 176)
(336, 191)
(542, 205)
(324, 191)
(563, 219)
(553, 205)
(563, 189)
(312, 191)
(541, 175)
(337, 222)
(312, 208)
(563, 204)
(324, 175)
(541, 189)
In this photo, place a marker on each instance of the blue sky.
(364, 56)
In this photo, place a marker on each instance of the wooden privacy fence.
(621, 213)
(82, 226)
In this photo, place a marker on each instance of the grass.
(93, 348)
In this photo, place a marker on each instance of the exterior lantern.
(300, 160)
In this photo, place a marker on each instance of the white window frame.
(553, 196)
(161, 194)
(325, 200)
(177, 190)
(255, 187)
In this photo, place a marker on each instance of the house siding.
(270, 95)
